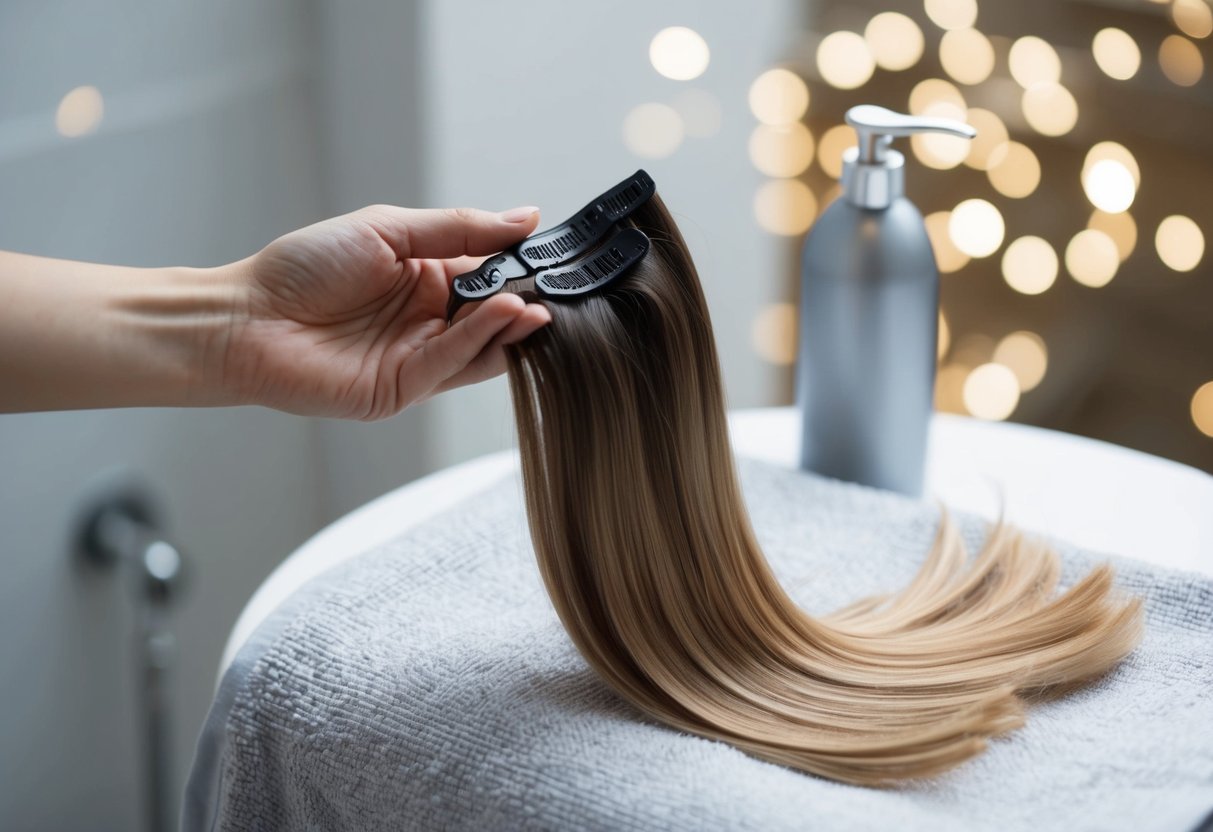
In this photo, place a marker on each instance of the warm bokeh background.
(196, 131)
(1077, 293)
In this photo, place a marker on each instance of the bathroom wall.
(528, 106)
(206, 150)
(225, 124)
(368, 74)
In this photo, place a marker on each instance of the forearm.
(78, 335)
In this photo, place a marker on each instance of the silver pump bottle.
(869, 306)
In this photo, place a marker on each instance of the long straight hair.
(647, 552)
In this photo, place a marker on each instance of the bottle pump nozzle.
(873, 174)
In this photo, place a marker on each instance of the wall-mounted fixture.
(120, 530)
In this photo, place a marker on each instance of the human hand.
(347, 317)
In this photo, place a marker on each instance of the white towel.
(428, 684)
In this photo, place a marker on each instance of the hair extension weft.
(646, 549)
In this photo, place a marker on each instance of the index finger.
(451, 232)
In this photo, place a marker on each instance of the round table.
(1093, 494)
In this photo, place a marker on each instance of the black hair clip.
(598, 270)
(573, 240)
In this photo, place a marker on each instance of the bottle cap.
(873, 174)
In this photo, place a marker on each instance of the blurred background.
(1076, 289)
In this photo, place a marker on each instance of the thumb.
(446, 354)
(451, 232)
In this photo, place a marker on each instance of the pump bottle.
(869, 316)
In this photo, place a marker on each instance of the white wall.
(368, 74)
(526, 107)
(205, 152)
(226, 124)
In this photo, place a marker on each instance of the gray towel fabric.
(428, 684)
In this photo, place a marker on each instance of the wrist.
(192, 315)
(176, 324)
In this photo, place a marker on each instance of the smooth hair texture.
(647, 552)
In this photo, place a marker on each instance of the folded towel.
(428, 684)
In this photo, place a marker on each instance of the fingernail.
(520, 214)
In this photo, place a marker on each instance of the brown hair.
(647, 552)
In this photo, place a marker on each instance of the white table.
(1094, 494)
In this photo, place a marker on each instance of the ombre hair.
(647, 552)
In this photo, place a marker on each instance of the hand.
(347, 317)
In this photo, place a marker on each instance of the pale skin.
(345, 318)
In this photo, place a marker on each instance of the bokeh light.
(831, 147)
(1029, 265)
(1109, 186)
(700, 111)
(934, 91)
(784, 150)
(773, 334)
(938, 150)
(1014, 170)
(951, 14)
(1180, 243)
(895, 41)
(1050, 109)
(966, 55)
(1192, 17)
(1024, 353)
(679, 53)
(653, 130)
(79, 112)
(991, 392)
(944, 337)
(947, 256)
(1116, 152)
(1092, 258)
(785, 206)
(1180, 61)
(1202, 408)
(779, 96)
(976, 227)
(991, 135)
(1120, 227)
(1034, 61)
(844, 60)
(1116, 53)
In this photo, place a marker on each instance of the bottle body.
(867, 350)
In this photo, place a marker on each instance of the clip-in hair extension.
(572, 240)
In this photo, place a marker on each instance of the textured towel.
(428, 684)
